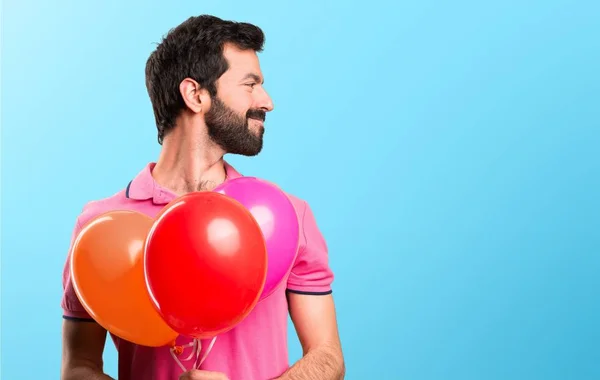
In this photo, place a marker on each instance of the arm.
(311, 306)
(83, 345)
(315, 322)
(83, 339)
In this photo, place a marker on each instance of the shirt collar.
(144, 187)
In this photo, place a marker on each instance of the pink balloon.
(277, 219)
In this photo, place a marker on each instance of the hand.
(197, 374)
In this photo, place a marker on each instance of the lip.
(260, 122)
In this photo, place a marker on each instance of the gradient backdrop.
(450, 151)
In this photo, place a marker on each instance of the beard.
(230, 131)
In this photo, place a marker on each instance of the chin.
(246, 153)
(247, 150)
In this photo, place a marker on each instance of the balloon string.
(196, 349)
(174, 355)
(210, 346)
(197, 352)
(194, 345)
(178, 350)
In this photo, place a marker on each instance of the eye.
(251, 85)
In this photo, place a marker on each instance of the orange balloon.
(107, 270)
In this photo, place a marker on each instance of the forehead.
(241, 62)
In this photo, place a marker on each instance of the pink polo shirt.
(256, 349)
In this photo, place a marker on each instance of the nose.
(264, 101)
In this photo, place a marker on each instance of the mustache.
(256, 114)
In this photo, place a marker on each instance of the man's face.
(236, 117)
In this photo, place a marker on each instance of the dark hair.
(194, 49)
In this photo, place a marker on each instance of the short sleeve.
(72, 307)
(311, 273)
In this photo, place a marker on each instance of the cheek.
(242, 108)
(240, 102)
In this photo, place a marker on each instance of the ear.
(197, 99)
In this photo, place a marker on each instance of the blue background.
(450, 152)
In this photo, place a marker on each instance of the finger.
(203, 375)
(210, 375)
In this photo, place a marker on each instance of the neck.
(189, 162)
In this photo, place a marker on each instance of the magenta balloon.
(278, 221)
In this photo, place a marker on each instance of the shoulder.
(309, 229)
(300, 205)
(96, 207)
(303, 211)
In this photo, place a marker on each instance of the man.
(206, 89)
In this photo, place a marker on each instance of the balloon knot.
(177, 350)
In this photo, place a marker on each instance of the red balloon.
(205, 264)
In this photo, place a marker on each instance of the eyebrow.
(255, 77)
